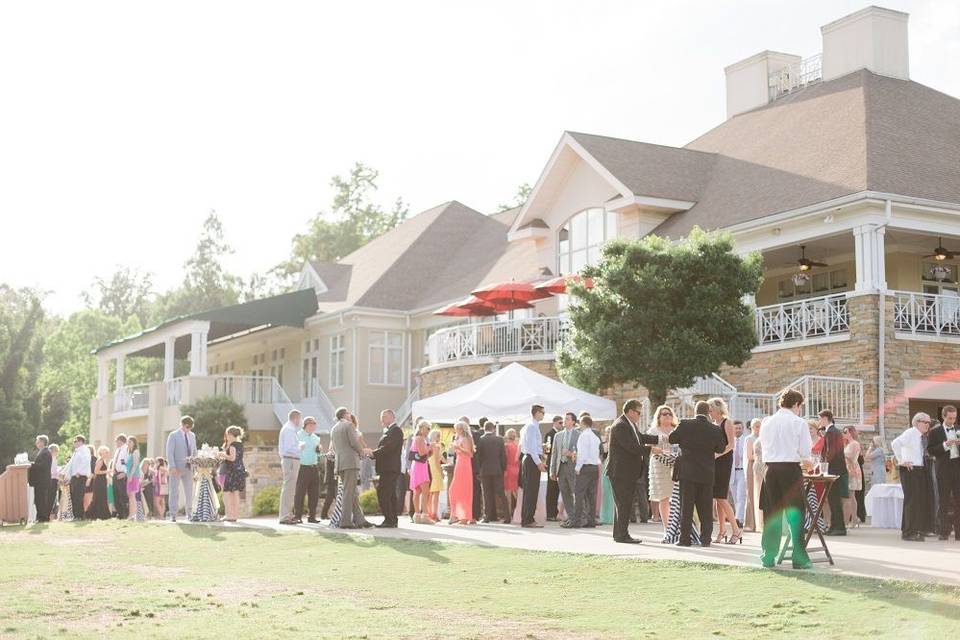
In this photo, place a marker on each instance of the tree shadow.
(425, 549)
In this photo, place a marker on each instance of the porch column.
(198, 353)
(870, 258)
(103, 377)
(168, 357)
(120, 363)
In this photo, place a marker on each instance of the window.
(385, 358)
(311, 358)
(581, 239)
(820, 284)
(338, 355)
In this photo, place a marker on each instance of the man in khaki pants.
(289, 449)
(346, 444)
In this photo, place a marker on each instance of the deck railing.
(131, 398)
(802, 320)
(496, 339)
(795, 76)
(926, 314)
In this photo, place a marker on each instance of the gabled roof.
(435, 256)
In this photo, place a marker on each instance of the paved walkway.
(877, 553)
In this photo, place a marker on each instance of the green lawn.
(132, 581)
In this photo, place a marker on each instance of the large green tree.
(211, 417)
(127, 292)
(21, 342)
(352, 221)
(661, 313)
(206, 284)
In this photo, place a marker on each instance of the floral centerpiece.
(207, 458)
(206, 505)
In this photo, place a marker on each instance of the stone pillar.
(198, 353)
(169, 346)
(103, 377)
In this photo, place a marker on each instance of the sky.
(123, 124)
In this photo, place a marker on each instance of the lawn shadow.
(201, 530)
(426, 549)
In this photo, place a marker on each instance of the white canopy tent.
(505, 396)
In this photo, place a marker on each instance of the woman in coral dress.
(461, 489)
(511, 476)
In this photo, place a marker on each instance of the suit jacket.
(178, 449)
(629, 451)
(548, 437)
(477, 435)
(561, 442)
(389, 450)
(935, 439)
(38, 475)
(492, 455)
(699, 440)
(832, 451)
(345, 440)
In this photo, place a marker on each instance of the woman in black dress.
(723, 469)
(88, 490)
(234, 476)
(100, 507)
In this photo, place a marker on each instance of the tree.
(68, 380)
(206, 284)
(211, 417)
(353, 220)
(661, 314)
(21, 340)
(128, 292)
(519, 199)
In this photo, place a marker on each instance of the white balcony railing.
(795, 76)
(174, 390)
(131, 398)
(245, 389)
(926, 314)
(496, 339)
(802, 320)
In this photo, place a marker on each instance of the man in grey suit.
(181, 444)
(563, 464)
(345, 440)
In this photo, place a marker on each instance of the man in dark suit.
(553, 486)
(628, 460)
(38, 477)
(476, 432)
(492, 455)
(387, 457)
(699, 441)
(832, 454)
(943, 443)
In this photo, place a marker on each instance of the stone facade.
(263, 469)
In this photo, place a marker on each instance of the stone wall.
(263, 469)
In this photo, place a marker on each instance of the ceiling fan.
(940, 253)
(805, 263)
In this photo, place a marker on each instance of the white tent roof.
(506, 395)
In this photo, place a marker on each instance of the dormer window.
(580, 239)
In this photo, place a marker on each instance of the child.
(133, 480)
(161, 488)
(146, 487)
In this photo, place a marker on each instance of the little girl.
(147, 488)
(133, 480)
(160, 489)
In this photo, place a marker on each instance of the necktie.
(187, 441)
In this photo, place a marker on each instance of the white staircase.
(318, 405)
(405, 411)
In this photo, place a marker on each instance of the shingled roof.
(435, 256)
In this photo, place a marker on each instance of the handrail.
(131, 397)
(496, 339)
(819, 317)
(406, 409)
(926, 313)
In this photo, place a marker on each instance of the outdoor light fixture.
(940, 272)
(800, 279)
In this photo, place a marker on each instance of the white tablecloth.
(540, 516)
(884, 503)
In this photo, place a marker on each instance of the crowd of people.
(686, 474)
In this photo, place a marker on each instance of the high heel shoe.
(735, 538)
(721, 537)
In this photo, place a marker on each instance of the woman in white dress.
(660, 485)
(851, 453)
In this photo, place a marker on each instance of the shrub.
(267, 502)
(369, 502)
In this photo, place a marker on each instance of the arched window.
(580, 239)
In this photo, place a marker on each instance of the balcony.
(821, 319)
(530, 338)
(926, 315)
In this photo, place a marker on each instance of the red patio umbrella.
(456, 311)
(474, 303)
(559, 284)
(512, 292)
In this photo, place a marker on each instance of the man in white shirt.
(531, 466)
(908, 449)
(288, 447)
(588, 473)
(785, 442)
(738, 479)
(78, 470)
(118, 469)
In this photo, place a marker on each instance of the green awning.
(285, 310)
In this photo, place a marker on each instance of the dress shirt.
(908, 447)
(289, 446)
(79, 463)
(588, 448)
(785, 437)
(120, 459)
(308, 455)
(951, 433)
(738, 452)
(530, 441)
(54, 469)
(561, 441)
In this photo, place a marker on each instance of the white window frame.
(310, 363)
(611, 229)
(338, 360)
(386, 358)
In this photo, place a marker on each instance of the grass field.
(112, 579)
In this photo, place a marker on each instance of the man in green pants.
(785, 443)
